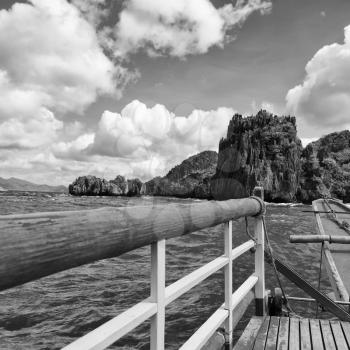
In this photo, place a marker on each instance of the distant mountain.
(22, 185)
(190, 179)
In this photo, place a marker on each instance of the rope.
(247, 231)
(319, 277)
(285, 298)
(342, 224)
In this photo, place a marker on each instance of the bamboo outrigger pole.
(319, 239)
(39, 244)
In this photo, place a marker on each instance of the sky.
(133, 87)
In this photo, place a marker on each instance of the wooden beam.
(319, 239)
(322, 299)
(327, 334)
(294, 334)
(305, 336)
(272, 336)
(247, 339)
(40, 244)
(326, 212)
(316, 335)
(283, 334)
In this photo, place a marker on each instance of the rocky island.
(93, 186)
(326, 168)
(261, 150)
(190, 179)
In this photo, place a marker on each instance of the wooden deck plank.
(294, 335)
(316, 335)
(247, 339)
(327, 335)
(272, 335)
(346, 330)
(283, 334)
(262, 335)
(338, 335)
(305, 339)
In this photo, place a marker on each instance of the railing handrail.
(40, 244)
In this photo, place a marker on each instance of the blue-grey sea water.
(52, 312)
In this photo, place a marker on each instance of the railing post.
(260, 307)
(228, 284)
(158, 294)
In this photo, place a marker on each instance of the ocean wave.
(284, 204)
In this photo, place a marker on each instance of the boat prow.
(333, 219)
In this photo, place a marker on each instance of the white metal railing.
(153, 308)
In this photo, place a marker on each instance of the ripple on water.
(53, 311)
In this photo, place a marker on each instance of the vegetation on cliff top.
(259, 150)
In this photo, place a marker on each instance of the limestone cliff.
(326, 168)
(259, 150)
(94, 186)
(190, 179)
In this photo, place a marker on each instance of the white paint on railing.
(204, 333)
(243, 290)
(184, 284)
(228, 282)
(158, 294)
(259, 261)
(154, 306)
(111, 331)
(238, 251)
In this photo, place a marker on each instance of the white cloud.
(268, 106)
(52, 65)
(74, 149)
(151, 140)
(322, 101)
(93, 10)
(31, 133)
(179, 27)
(305, 141)
(50, 57)
(43, 167)
(265, 105)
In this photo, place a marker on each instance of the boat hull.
(335, 256)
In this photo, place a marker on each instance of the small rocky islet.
(261, 150)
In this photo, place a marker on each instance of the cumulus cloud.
(30, 133)
(57, 57)
(95, 11)
(152, 139)
(50, 57)
(179, 27)
(323, 99)
(305, 140)
(74, 149)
